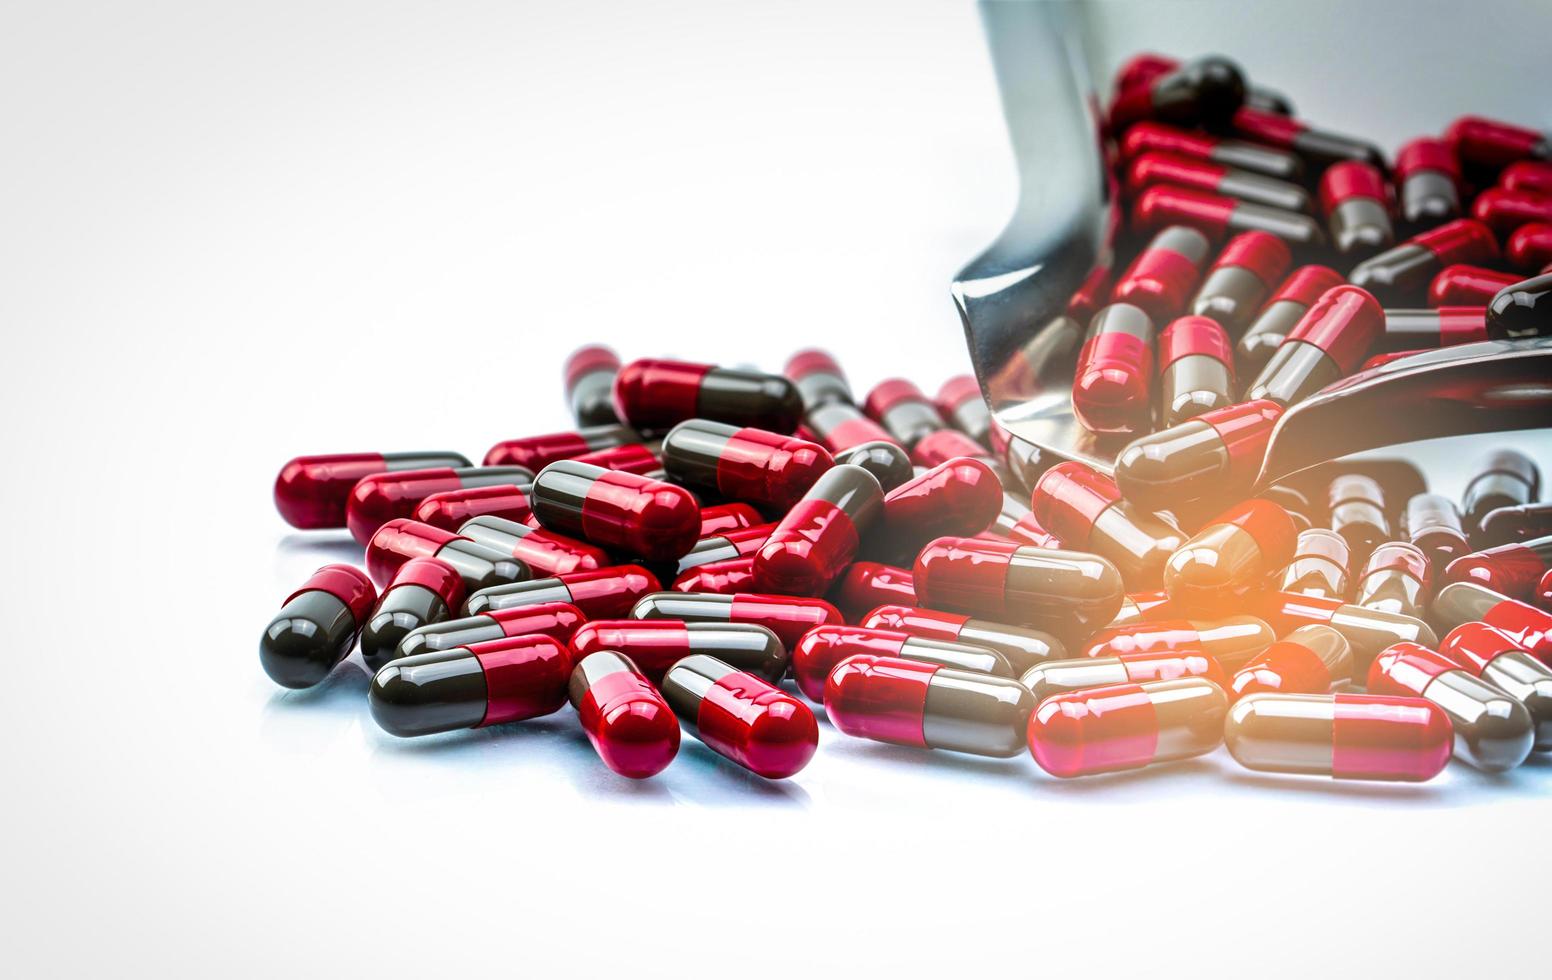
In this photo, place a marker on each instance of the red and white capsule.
(654, 395)
(1527, 627)
(311, 491)
(625, 512)
(766, 469)
(1086, 673)
(382, 497)
(841, 425)
(1493, 732)
(1112, 388)
(402, 540)
(632, 728)
(451, 510)
(1213, 457)
(600, 594)
(537, 452)
(821, 648)
(1065, 591)
(903, 410)
(589, 384)
(1468, 285)
(1155, 168)
(1217, 216)
(1321, 148)
(1083, 508)
(819, 378)
(959, 401)
(655, 645)
(1231, 641)
(1403, 272)
(507, 680)
(545, 552)
(1154, 137)
(1330, 340)
(788, 617)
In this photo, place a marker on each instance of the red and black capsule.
(1068, 592)
(1344, 736)
(726, 577)
(1156, 168)
(1310, 660)
(1196, 369)
(1527, 175)
(1480, 650)
(1504, 210)
(819, 378)
(1154, 137)
(1355, 200)
(903, 410)
(1218, 215)
(1086, 673)
(1083, 508)
(451, 510)
(1428, 179)
(728, 546)
(1141, 69)
(741, 717)
(1016, 522)
(625, 512)
(1522, 310)
(1329, 341)
(375, 500)
(544, 552)
(654, 645)
(1213, 457)
(423, 592)
(789, 617)
(1513, 570)
(1527, 627)
(1504, 478)
(537, 452)
(511, 679)
(481, 567)
(311, 491)
(1433, 526)
(823, 647)
(889, 464)
(1520, 522)
(1403, 272)
(603, 593)
(589, 372)
(733, 516)
(929, 706)
(867, 585)
(1357, 508)
(1530, 247)
(1282, 313)
(1320, 566)
(1320, 148)
(766, 469)
(316, 626)
(1241, 277)
(840, 426)
(1493, 732)
(1468, 285)
(1233, 555)
(946, 444)
(1023, 647)
(631, 458)
(1492, 145)
(632, 728)
(1203, 91)
(655, 395)
(819, 536)
(961, 498)
(1112, 388)
(557, 620)
(1160, 279)
(1127, 726)
(1368, 631)
(1231, 641)
(959, 401)
(1446, 326)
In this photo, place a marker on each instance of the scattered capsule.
(481, 567)
(1512, 570)
(1126, 726)
(1467, 285)
(1356, 203)
(926, 705)
(1395, 579)
(655, 395)
(1142, 607)
(1053, 677)
(1493, 732)
(1321, 560)
(557, 620)
(1404, 271)
(1328, 342)
(728, 546)
(1310, 660)
(1320, 148)
(959, 401)
(1231, 641)
(1023, 647)
(632, 728)
(1527, 627)
(1504, 478)
(1433, 525)
(1484, 652)
(1066, 591)
(1151, 169)
(1368, 631)
(787, 617)
(1357, 508)
(1527, 175)
(758, 467)
(543, 551)
(1206, 90)
(1112, 390)
(904, 412)
(311, 491)
(1217, 215)
(654, 645)
(821, 648)
(1522, 310)
(818, 377)
(424, 591)
(1530, 246)
(819, 536)
(1084, 509)
(840, 426)
(601, 594)
(867, 585)
(316, 626)
(451, 510)
(1160, 280)
(1233, 555)
(511, 679)
(1345, 736)
(1143, 68)
(1241, 277)
(734, 516)
(1414, 330)
(741, 717)
(888, 463)
(1428, 176)
(382, 497)
(1215, 456)
(589, 373)
(960, 497)
(537, 452)
(1150, 137)
(725, 577)
(622, 511)
(1504, 210)
(946, 444)
(1283, 312)
(1518, 522)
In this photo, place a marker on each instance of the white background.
(231, 234)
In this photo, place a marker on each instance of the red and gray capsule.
(1068, 592)
(603, 593)
(1241, 277)
(1433, 525)
(1415, 330)
(654, 645)
(721, 518)
(1155, 137)
(1112, 388)
(1127, 726)
(1217, 215)
(766, 469)
(311, 491)
(788, 617)
(1504, 478)
(1527, 175)
(1493, 732)
(959, 401)
(1310, 660)
(889, 464)
(1530, 247)
(1404, 271)
(1468, 285)
(1320, 148)
(1395, 579)
(1023, 647)
(1480, 650)
(1368, 631)
(961, 497)
(625, 512)
(631, 458)
(904, 412)
(544, 552)
(946, 444)
(450, 511)
(1205, 91)
(1357, 508)
(1356, 203)
(1504, 210)
(654, 395)
(1329, 341)
(316, 626)
(481, 567)
(1083, 508)
(557, 620)
(1215, 456)
(537, 452)
(1159, 168)
(1492, 145)
(1232, 556)
(819, 378)
(1345, 736)
(589, 373)
(1196, 369)
(1320, 566)
(1282, 313)
(423, 592)
(869, 584)
(1140, 69)
(1160, 279)
(741, 717)
(1527, 627)
(1142, 607)
(1231, 641)
(492, 683)
(818, 537)
(1512, 570)
(632, 728)
(1428, 178)
(823, 647)
(727, 546)
(840, 426)
(929, 706)
(725, 577)
(1086, 673)
(375, 500)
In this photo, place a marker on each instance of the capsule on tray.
(1233, 555)
(1196, 369)
(925, 705)
(1127, 726)
(511, 679)
(1480, 650)
(589, 373)
(1320, 566)
(1467, 285)
(788, 617)
(654, 395)
(424, 591)
(1217, 216)
(1085, 673)
(557, 620)
(601, 594)
(1283, 312)
(1231, 641)
(1319, 147)
(1418, 330)
(1022, 646)
(1428, 177)
(1328, 343)
(375, 500)
(1162, 276)
(1112, 389)
(1356, 202)
(1493, 732)
(1404, 271)
(1241, 277)
(1433, 526)
(1215, 456)
(818, 537)
(1151, 137)
(959, 401)
(654, 645)
(1522, 310)
(481, 567)
(632, 728)
(1155, 168)
(1357, 508)
(741, 717)
(1066, 591)
(1310, 660)
(1084, 509)
(311, 491)
(537, 452)
(1345, 736)
(316, 626)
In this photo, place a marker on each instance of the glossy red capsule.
(1467, 285)
(1527, 175)
(1484, 652)
(1091, 294)
(1024, 528)
(1160, 279)
(1368, 631)
(1530, 246)
(316, 626)
(1157, 168)
(1282, 313)
(766, 469)
(867, 585)
(537, 452)
(1241, 277)
(926, 705)
(1512, 570)
(1404, 271)
(1205, 91)
(1112, 389)
(1355, 200)
(818, 537)
(818, 652)
(1215, 456)
(1126, 726)
(1154, 137)
(722, 518)
(1310, 660)
(492, 683)
(1493, 732)
(632, 728)
(728, 546)
(1143, 68)
(1433, 525)
(724, 577)
(654, 645)
(1065, 591)
(944, 445)
(1428, 178)
(311, 491)
(1218, 216)
(1142, 607)
(1504, 210)
(1233, 555)
(632, 514)
(788, 617)
(545, 552)
(1320, 148)
(589, 374)
(1520, 522)
(904, 412)
(1023, 647)
(1231, 641)
(1503, 478)
(741, 717)
(1086, 673)
(424, 591)
(960, 497)
(819, 378)
(887, 461)
(377, 499)
(654, 395)
(1527, 627)
(959, 401)
(399, 541)
(1330, 340)
(557, 620)
(840, 426)
(632, 458)
(1196, 369)
(1345, 736)
(1320, 566)
(603, 593)
(451, 510)
(1083, 508)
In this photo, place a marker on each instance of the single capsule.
(1229, 558)
(654, 645)
(589, 374)
(1142, 607)
(1504, 478)
(1084, 509)
(926, 705)
(787, 617)
(722, 518)
(946, 444)
(1356, 203)
(1467, 285)
(741, 717)
(1216, 216)
(762, 468)
(1204, 91)
(1415, 330)
(1143, 68)
(818, 377)
(311, 491)
(1241, 277)
(1023, 647)
(1504, 210)
(1282, 313)
(1527, 627)
(1320, 148)
(1196, 369)
(1160, 280)
(961, 497)
(632, 728)
(1151, 137)
(1357, 508)
(1344, 736)
(1231, 641)
(867, 585)
(1530, 247)
(1086, 673)
(1522, 310)
(1512, 570)
(621, 511)
(1112, 389)
(1321, 560)
(1428, 176)
(840, 426)
(1151, 169)
(655, 395)
(316, 626)
(1127, 726)
(1484, 652)
(1065, 591)
(451, 510)
(481, 567)
(888, 463)
(545, 552)
(1527, 175)
(821, 648)
(423, 592)
(1213, 457)
(491, 683)
(537, 452)
(960, 402)
(726, 577)
(1310, 660)
(819, 536)
(1493, 732)
(1328, 342)
(1395, 579)
(1433, 525)
(1368, 631)
(1404, 271)
(1519, 522)
(601, 594)
(557, 620)
(730, 545)
(904, 412)
(631, 458)
(375, 500)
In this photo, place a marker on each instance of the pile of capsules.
(934, 581)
